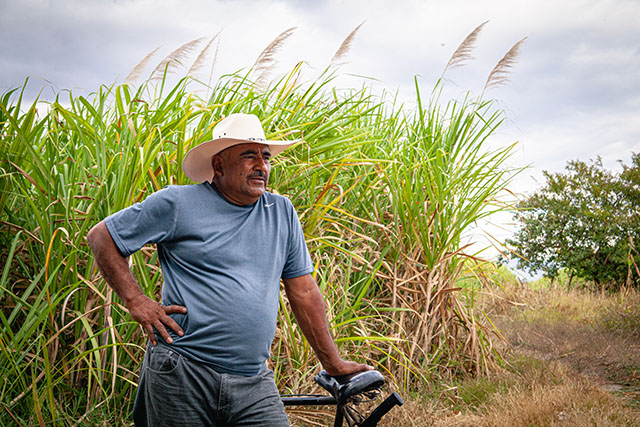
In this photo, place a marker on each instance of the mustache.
(258, 174)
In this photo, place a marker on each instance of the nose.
(262, 163)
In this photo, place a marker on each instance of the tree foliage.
(585, 220)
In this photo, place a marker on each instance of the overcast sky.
(574, 93)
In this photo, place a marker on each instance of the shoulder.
(174, 196)
(186, 192)
(189, 188)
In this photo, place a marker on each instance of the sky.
(574, 92)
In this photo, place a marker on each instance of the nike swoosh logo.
(268, 205)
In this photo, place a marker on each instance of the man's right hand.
(151, 314)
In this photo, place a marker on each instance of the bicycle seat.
(343, 387)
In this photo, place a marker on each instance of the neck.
(230, 198)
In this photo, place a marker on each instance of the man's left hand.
(345, 367)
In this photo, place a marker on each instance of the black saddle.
(344, 387)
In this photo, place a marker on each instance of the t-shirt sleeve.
(151, 221)
(298, 261)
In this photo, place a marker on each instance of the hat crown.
(239, 126)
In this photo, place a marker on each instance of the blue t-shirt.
(221, 261)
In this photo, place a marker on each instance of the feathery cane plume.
(266, 60)
(463, 52)
(137, 70)
(202, 57)
(174, 59)
(213, 64)
(499, 75)
(344, 47)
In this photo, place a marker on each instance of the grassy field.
(384, 194)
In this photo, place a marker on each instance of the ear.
(216, 164)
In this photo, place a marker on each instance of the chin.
(255, 192)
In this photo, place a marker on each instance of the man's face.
(241, 172)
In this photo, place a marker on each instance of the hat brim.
(197, 162)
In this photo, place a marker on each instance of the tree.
(585, 220)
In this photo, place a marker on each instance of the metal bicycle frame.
(321, 400)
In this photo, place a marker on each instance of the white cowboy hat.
(232, 130)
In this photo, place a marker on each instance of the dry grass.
(573, 359)
(548, 394)
(532, 392)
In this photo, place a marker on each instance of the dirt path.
(608, 355)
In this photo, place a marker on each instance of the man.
(223, 246)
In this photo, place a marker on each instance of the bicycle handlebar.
(342, 388)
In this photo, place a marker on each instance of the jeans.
(176, 391)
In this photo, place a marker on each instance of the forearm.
(112, 265)
(307, 305)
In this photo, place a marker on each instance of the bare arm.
(115, 270)
(308, 307)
